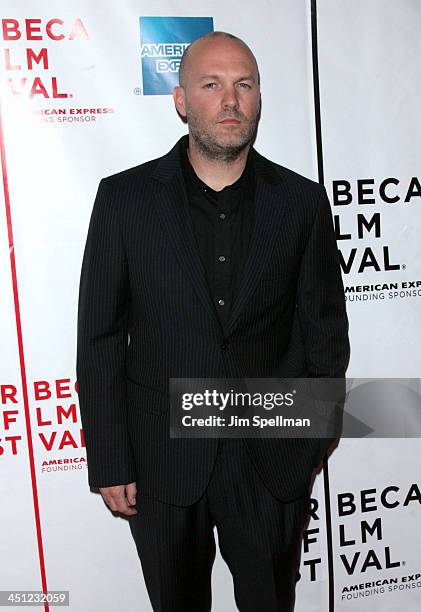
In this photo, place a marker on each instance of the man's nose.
(230, 97)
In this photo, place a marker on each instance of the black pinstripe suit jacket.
(145, 314)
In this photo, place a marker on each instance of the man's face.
(220, 98)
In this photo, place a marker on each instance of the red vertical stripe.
(22, 363)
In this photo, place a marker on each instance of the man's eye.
(245, 85)
(209, 85)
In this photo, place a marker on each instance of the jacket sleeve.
(102, 340)
(321, 307)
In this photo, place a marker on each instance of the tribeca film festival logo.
(55, 425)
(26, 54)
(163, 40)
(30, 46)
(373, 567)
(373, 202)
(362, 551)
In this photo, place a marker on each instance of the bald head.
(219, 96)
(207, 40)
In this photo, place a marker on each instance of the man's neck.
(216, 174)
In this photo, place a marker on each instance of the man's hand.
(120, 498)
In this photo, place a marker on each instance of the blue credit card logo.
(163, 40)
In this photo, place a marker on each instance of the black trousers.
(259, 539)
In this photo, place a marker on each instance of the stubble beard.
(208, 144)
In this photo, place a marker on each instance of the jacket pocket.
(143, 397)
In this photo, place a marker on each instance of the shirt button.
(221, 302)
(225, 344)
(221, 258)
(222, 216)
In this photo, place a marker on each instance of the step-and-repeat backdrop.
(86, 92)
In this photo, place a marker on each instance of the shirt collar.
(198, 185)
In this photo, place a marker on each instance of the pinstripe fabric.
(259, 538)
(145, 315)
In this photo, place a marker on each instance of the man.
(210, 261)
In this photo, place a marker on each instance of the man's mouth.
(230, 121)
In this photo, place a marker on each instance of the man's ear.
(179, 100)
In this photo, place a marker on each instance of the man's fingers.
(120, 504)
(131, 493)
(116, 500)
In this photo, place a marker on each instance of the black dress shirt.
(222, 224)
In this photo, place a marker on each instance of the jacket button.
(225, 344)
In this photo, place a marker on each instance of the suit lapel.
(268, 213)
(170, 202)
